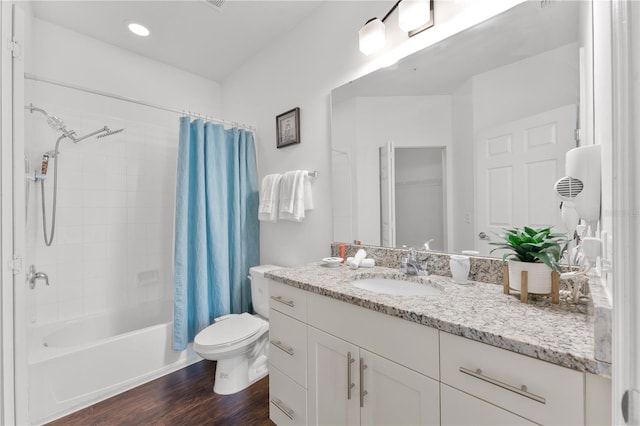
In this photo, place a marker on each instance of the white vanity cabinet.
(335, 363)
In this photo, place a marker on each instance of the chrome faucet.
(32, 276)
(413, 264)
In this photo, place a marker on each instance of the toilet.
(240, 342)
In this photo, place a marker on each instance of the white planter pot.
(538, 276)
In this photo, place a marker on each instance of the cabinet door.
(396, 395)
(459, 408)
(332, 370)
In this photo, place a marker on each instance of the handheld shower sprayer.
(45, 164)
(58, 125)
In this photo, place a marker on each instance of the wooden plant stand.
(524, 293)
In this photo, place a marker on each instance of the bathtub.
(75, 364)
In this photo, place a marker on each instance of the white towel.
(365, 263)
(357, 259)
(269, 198)
(295, 195)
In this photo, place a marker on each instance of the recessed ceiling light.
(138, 29)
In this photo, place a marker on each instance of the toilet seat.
(231, 330)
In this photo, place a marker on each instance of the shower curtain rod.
(34, 77)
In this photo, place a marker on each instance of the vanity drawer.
(287, 400)
(288, 300)
(459, 408)
(288, 351)
(537, 390)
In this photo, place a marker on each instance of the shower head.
(109, 132)
(100, 133)
(57, 124)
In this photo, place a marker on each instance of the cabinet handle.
(278, 344)
(280, 405)
(520, 391)
(363, 392)
(350, 384)
(282, 300)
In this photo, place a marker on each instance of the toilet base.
(235, 374)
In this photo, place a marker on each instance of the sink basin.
(396, 287)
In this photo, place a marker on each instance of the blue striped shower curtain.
(216, 227)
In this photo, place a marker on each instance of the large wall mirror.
(467, 136)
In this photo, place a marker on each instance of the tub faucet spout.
(32, 276)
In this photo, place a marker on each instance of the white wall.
(301, 70)
(526, 87)
(344, 170)
(114, 231)
(462, 212)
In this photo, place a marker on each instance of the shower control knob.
(32, 276)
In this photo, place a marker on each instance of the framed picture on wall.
(288, 128)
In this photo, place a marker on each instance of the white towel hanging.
(269, 198)
(295, 195)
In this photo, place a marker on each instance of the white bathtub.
(75, 364)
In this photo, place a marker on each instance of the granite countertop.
(561, 334)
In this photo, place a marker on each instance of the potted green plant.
(538, 251)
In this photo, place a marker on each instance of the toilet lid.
(230, 330)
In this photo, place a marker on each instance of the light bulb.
(138, 29)
(372, 36)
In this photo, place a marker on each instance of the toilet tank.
(260, 289)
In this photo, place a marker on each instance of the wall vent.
(216, 4)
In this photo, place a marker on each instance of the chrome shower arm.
(102, 130)
(32, 108)
(53, 121)
(57, 124)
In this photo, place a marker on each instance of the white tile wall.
(115, 209)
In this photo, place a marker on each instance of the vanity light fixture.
(138, 29)
(415, 16)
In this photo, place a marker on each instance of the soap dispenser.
(403, 261)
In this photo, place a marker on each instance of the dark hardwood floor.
(184, 397)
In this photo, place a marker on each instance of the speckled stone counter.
(561, 334)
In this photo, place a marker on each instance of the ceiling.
(188, 34)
